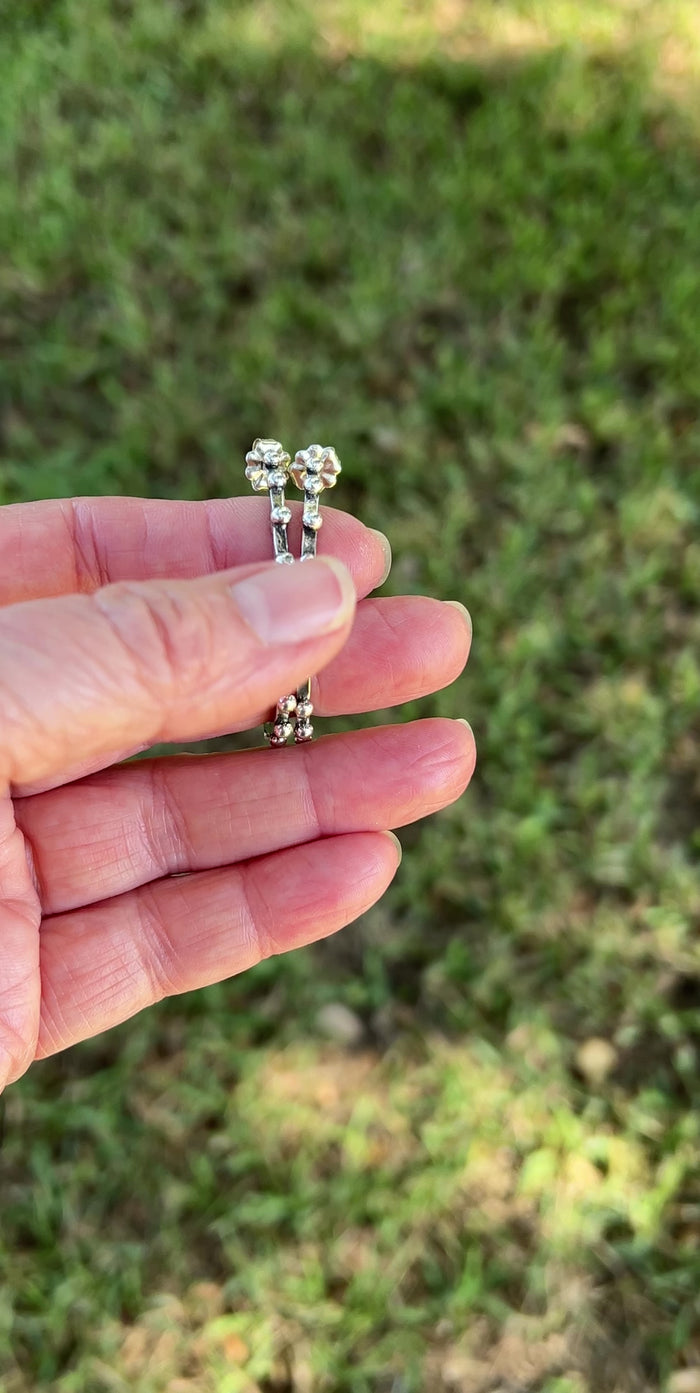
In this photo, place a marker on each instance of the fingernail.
(461, 722)
(385, 545)
(290, 604)
(397, 844)
(457, 604)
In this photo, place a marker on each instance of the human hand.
(123, 623)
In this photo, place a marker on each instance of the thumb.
(87, 679)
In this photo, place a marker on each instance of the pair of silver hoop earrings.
(268, 468)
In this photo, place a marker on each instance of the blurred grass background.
(462, 242)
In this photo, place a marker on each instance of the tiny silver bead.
(276, 478)
(285, 558)
(304, 709)
(281, 514)
(287, 705)
(303, 731)
(313, 521)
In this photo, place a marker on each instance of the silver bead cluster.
(268, 468)
(278, 731)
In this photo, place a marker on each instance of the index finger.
(67, 545)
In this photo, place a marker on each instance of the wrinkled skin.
(120, 627)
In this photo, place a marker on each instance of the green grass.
(473, 263)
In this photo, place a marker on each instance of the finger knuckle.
(168, 639)
(159, 957)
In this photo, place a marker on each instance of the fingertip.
(462, 631)
(385, 547)
(453, 635)
(449, 756)
(295, 604)
(471, 752)
(396, 845)
(347, 585)
(471, 739)
(464, 612)
(329, 884)
(365, 550)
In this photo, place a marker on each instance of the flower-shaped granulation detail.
(316, 466)
(267, 465)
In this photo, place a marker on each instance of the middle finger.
(400, 649)
(117, 830)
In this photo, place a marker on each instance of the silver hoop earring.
(316, 468)
(268, 468)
